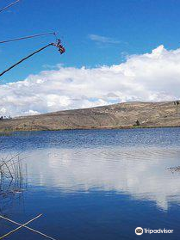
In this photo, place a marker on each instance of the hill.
(122, 115)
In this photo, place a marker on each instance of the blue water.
(96, 184)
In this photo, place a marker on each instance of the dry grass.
(12, 173)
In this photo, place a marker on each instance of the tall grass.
(12, 176)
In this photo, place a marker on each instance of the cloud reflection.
(141, 173)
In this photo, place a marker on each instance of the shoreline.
(127, 115)
(6, 133)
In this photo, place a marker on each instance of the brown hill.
(122, 115)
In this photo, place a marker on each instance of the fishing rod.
(28, 37)
(58, 44)
(22, 60)
(8, 6)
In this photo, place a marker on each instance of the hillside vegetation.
(122, 115)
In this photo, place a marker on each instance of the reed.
(11, 175)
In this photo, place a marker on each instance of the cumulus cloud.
(102, 39)
(152, 76)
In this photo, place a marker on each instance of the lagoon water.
(96, 184)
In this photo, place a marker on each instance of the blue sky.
(116, 51)
(134, 26)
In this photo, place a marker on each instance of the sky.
(120, 50)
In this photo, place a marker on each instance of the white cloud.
(148, 77)
(102, 39)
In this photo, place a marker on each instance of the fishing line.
(8, 6)
(28, 37)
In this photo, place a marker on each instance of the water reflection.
(141, 173)
(12, 181)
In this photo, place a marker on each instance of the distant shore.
(117, 116)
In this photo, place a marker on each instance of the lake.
(96, 184)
